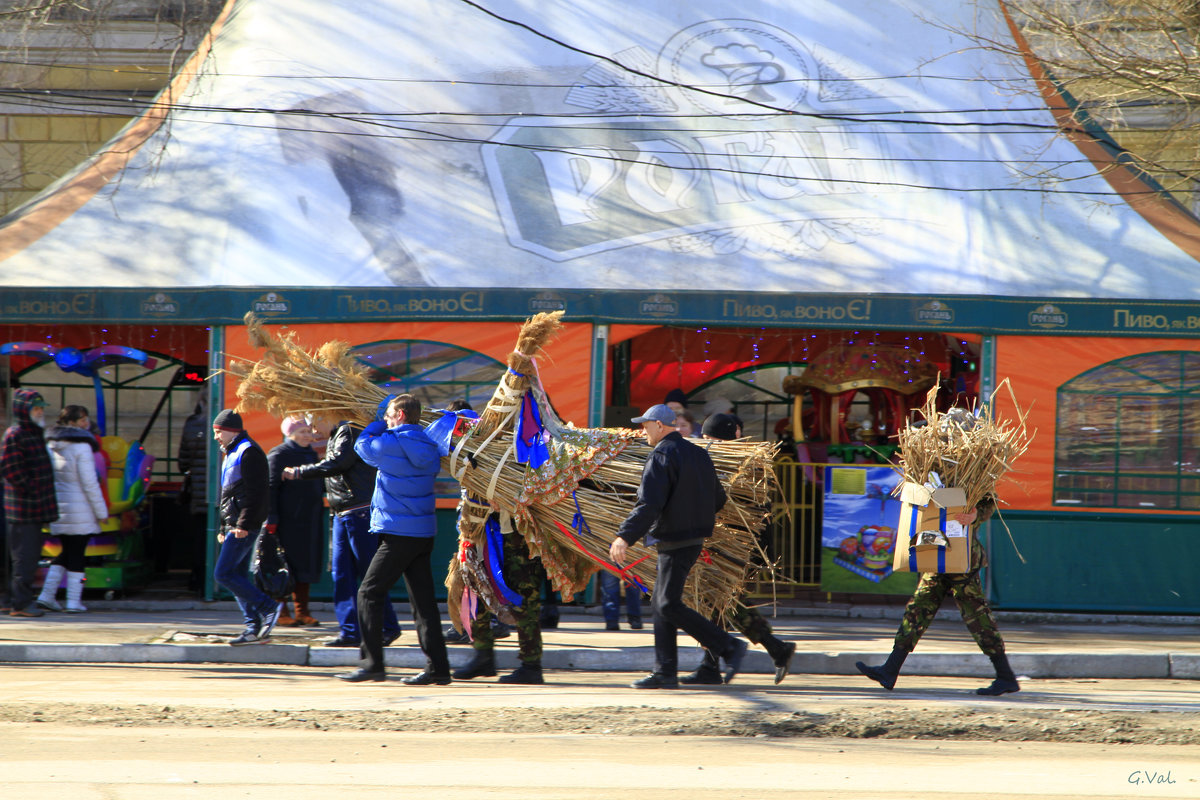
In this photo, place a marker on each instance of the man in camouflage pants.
(972, 604)
(524, 575)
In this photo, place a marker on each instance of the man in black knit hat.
(245, 482)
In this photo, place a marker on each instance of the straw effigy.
(568, 509)
(967, 448)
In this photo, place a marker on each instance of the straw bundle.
(593, 473)
(966, 448)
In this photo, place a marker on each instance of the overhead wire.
(392, 125)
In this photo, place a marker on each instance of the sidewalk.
(829, 640)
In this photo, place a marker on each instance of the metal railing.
(793, 537)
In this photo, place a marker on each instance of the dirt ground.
(1012, 725)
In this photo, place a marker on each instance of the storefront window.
(1128, 434)
(436, 374)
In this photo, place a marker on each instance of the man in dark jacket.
(747, 619)
(29, 501)
(403, 511)
(243, 510)
(349, 482)
(677, 504)
(193, 465)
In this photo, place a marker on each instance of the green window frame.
(1128, 434)
(436, 373)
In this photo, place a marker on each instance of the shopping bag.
(269, 568)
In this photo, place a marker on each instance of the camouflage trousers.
(524, 575)
(749, 622)
(972, 604)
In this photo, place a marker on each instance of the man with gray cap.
(677, 504)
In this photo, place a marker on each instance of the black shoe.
(341, 641)
(483, 665)
(612, 625)
(877, 674)
(999, 686)
(656, 680)
(452, 636)
(704, 674)
(501, 630)
(528, 674)
(783, 663)
(635, 623)
(425, 679)
(360, 675)
(388, 638)
(734, 658)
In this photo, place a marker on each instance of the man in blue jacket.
(677, 504)
(403, 513)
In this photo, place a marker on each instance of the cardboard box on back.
(928, 539)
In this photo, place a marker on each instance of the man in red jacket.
(29, 501)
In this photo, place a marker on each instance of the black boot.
(885, 675)
(1005, 682)
(528, 673)
(549, 616)
(709, 671)
(483, 665)
(781, 653)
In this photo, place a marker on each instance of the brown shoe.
(286, 620)
(308, 622)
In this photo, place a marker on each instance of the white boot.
(75, 593)
(54, 577)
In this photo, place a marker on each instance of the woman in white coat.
(81, 506)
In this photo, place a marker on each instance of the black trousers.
(74, 552)
(671, 613)
(407, 557)
(25, 545)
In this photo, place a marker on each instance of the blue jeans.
(233, 572)
(610, 594)
(353, 548)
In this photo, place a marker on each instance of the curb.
(630, 659)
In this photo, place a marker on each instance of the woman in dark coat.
(297, 514)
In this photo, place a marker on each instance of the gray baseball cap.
(659, 413)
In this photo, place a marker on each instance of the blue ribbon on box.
(912, 535)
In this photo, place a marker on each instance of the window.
(436, 374)
(1128, 434)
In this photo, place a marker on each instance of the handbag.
(269, 568)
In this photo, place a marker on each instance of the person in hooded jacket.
(29, 500)
(296, 517)
(81, 505)
(403, 512)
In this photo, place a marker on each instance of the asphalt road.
(165, 731)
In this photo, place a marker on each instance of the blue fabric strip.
(495, 560)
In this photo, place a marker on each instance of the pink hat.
(292, 424)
